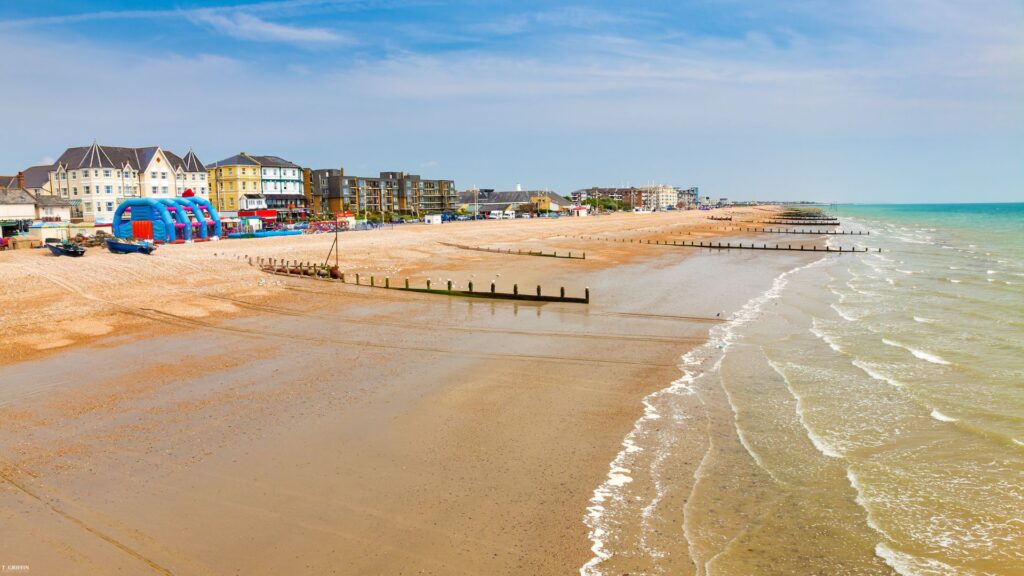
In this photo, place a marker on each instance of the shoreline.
(460, 436)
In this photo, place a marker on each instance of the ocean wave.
(955, 281)
(870, 371)
(921, 354)
(611, 490)
(818, 442)
(844, 315)
(924, 320)
(942, 417)
(910, 565)
(824, 337)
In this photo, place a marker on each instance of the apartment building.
(396, 192)
(95, 179)
(235, 185)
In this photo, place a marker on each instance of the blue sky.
(861, 101)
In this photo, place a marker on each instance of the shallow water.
(865, 415)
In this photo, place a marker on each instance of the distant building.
(629, 197)
(659, 197)
(95, 179)
(480, 201)
(687, 199)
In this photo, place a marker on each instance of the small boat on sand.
(66, 248)
(122, 246)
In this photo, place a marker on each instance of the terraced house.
(95, 179)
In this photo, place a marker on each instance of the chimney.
(21, 180)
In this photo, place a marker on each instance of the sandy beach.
(188, 414)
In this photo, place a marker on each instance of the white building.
(95, 179)
(281, 183)
(659, 197)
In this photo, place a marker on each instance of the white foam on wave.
(611, 490)
(901, 271)
(871, 371)
(942, 417)
(845, 315)
(924, 320)
(920, 354)
(954, 280)
(910, 565)
(816, 440)
(824, 337)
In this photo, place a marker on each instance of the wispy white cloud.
(246, 26)
(238, 21)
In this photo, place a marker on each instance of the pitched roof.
(37, 176)
(274, 161)
(191, 162)
(236, 160)
(51, 200)
(11, 196)
(8, 181)
(523, 197)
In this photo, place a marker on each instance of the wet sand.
(188, 414)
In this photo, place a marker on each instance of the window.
(154, 189)
(74, 175)
(88, 206)
(96, 173)
(107, 189)
(110, 206)
(163, 175)
(202, 176)
(63, 175)
(243, 185)
(74, 190)
(85, 189)
(163, 189)
(118, 189)
(118, 173)
(106, 173)
(193, 177)
(152, 175)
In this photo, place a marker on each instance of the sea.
(864, 414)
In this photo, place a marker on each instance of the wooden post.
(357, 279)
(538, 290)
(387, 282)
(372, 280)
(492, 287)
(586, 295)
(562, 292)
(406, 283)
(428, 283)
(515, 289)
(449, 285)
(470, 285)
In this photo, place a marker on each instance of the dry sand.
(185, 413)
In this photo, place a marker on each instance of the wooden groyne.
(802, 222)
(724, 218)
(728, 245)
(327, 273)
(787, 231)
(570, 255)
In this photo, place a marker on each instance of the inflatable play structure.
(167, 220)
